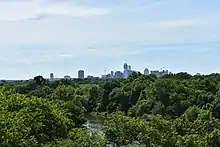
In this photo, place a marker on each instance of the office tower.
(51, 76)
(198, 74)
(80, 74)
(112, 74)
(146, 71)
(165, 72)
(156, 73)
(118, 75)
(125, 73)
(129, 67)
(125, 66)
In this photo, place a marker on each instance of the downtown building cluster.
(127, 71)
(80, 76)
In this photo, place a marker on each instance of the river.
(94, 123)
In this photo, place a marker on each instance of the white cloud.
(66, 55)
(20, 10)
(67, 9)
(59, 38)
(74, 36)
(175, 23)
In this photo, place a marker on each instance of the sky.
(38, 37)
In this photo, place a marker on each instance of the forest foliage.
(171, 111)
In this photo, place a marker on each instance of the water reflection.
(94, 124)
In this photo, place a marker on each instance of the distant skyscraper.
(112, 74)
(51, 76)
(126, 73)
(125, 66)
(118, 75)
(164, 72)
(80, 74)
(198, 74)
(155, 72)
(127, 70)
(146, 71)
(159, 73)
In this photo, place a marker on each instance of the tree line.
(175, 110)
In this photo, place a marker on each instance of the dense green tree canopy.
(176, 110)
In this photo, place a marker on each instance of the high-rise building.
(127, 70)
(80, 74)
(164, 72)
(118, 75)
(198, 74)
(51, 76)
(125, 66)
(156, 73)
(146, 71)
(159, 73)
(112, 74)
(126, 73)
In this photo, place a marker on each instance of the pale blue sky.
(43, 36)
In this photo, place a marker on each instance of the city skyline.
(43, 36)
(125, 73)
(154, 71)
